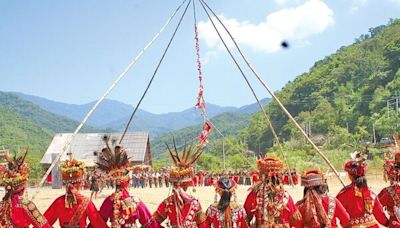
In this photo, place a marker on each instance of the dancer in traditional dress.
(15, 210)
(122, 209)
(181, 209)
(317, 208)
(225, 212)
(72, 209)
(390, 196)
(360, 202)
(267, 201)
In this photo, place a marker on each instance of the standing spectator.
(155, 179)
(160, 179)
(247, 178)
(143, 180)
(94, 185)
(166, 179)
(150, 179)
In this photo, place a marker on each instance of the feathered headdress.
(114, 161)
(184, 162)
(357, 166)
(14, 172)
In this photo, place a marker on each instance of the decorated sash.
(396, 201)
(74, 222)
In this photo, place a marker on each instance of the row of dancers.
(267, 204)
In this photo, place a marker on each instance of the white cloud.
(280, 2)
(357, 4)
(293, 24)
(283, 2)
(209, 56)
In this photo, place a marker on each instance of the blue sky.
(71, 51)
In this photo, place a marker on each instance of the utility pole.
(223, 150)
(397, 110)
(373, 132)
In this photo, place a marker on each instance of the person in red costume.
(390, 196)
(225, 212)
(72, 209)
(267, 201)
(317, 208)
(254, 177)
(122, 209)
(360, 202)
(15, 210)
(181, 209)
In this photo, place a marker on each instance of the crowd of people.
(267, 203)
(160, 179)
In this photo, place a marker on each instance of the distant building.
(85, 146)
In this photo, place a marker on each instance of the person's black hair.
(321, 189)
(226, 184)
(360, 181)
(274, 180)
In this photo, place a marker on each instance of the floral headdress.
(357, 166)
(114, 162)
(72, 171)
(184, 161)
(270, 167)
(14, 172)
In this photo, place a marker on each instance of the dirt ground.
(153, 196)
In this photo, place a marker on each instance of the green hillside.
(16, 131)
(344, 96)
(230, 124)
(39, 116)
(24, 124)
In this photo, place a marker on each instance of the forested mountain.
(17, 131)
(114, 115)
(37, 115)
(229, 124)
(344, 96)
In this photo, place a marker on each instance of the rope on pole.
(276, 98)
(108, 91)
(254, 94)
(154, 74)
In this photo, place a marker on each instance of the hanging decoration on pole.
(201, 103)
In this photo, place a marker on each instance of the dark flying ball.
(285, 44)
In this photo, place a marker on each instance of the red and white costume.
(190, 215)
(267, 201)
(316, 208)
(15, 210)
(217, 218)
(73, 209)
(226, 213)
(361, 203)
(180, 209)
(77, 215)
(390, 196)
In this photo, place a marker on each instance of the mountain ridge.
(113, 115)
